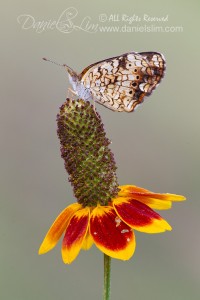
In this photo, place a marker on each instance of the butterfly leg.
(94, 107)
(71, 94)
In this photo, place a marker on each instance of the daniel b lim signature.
(64, 23)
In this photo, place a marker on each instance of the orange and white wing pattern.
(120, 83)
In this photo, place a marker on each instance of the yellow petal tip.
(67, 260)
(169, 228)
(42, 250)
(175, 197)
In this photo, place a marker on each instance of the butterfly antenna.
(69, 70)
(53, 62)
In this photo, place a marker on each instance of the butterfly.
(119, 83)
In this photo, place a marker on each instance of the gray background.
(157, 147)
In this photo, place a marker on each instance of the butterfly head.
(73, 77)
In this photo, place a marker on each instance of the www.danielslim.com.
(145, 28)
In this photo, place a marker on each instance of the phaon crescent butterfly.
(120, 83)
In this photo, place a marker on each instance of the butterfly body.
(120, 83)
(79, 89)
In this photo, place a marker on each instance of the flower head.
(106, 214)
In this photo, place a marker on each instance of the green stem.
(107, 269)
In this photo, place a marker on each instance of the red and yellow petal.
(112, 236)
(153, 200)
(75, 234)
(139, 216)
(58, 227)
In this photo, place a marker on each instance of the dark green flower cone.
(84, 148)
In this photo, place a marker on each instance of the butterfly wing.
(120, 83)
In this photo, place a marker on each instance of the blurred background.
(156, 147)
